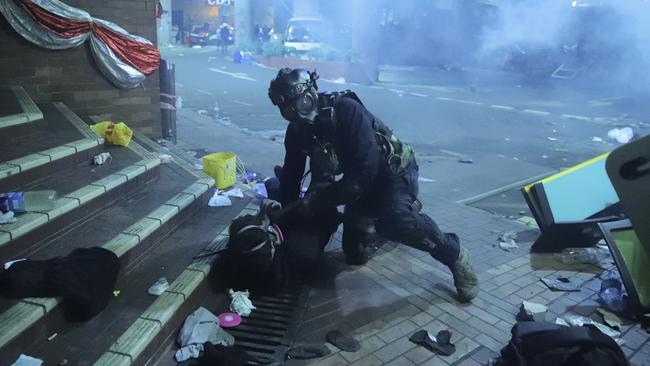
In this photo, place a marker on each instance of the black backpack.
(538, 343)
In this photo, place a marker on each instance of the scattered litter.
(240, 303)
(562, 322)
(597, 139)
(166, 158)
(8, 264)
(553, 139)
(308, 351)
(116, 293)
(426, 180)
(159, 287)
(532, 311)
(342, 341)
(507, 138)
(24, 360)
(466, 161)
(229, 320)
(560, 284)
(507, 241)
(219, 200)
(118, 134)
(261, 190)
(544, 156)
(198, 166)
(610, 319)
(622, 135)
(579, 256)
(611, 292)
(64, 362)
(508, 245)
(50, 338)
(102, 158)
(179, 103)
(196, 46)
(515, 158)
(577, 321)
(202, 112)
(235, 192)
(200, 327)
(440, 344)
(7, 217)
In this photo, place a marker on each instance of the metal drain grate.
(267, 333)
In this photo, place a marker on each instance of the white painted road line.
(459, 101)
(396, 91)
(572, 116)
(502, 107)
(534, 111)
(205, 92)
(419, 95)
(179, 84)
(242, 103)
(236, 75)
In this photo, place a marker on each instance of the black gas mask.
(295, 92)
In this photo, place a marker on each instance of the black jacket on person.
(355, 142)
(298, 257)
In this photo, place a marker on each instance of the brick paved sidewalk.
(402, 290)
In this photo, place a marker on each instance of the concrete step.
(16, 107)
(147, 322)
(143, 246)
(83, 190)
(53, 130)
(61, 140)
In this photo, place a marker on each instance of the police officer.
(379, 184)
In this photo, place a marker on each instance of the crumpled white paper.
(200, 327)
(219, 200)
(621, 135)
(235, 192)
(577, 320)
(240, 303)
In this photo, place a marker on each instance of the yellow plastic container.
(222, 167)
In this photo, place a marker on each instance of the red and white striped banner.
(123, 58)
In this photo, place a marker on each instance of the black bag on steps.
(537, 344)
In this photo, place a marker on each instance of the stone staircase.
(153, 216)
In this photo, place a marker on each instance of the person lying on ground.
(277, 245)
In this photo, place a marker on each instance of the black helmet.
(295, 92)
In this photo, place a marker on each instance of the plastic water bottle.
(581, 255)
(611, 292)
(39, 200)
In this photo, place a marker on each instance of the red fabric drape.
(143, 57)
(62, 27)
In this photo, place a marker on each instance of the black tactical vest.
(397, 154)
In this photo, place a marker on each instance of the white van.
(304, 34)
